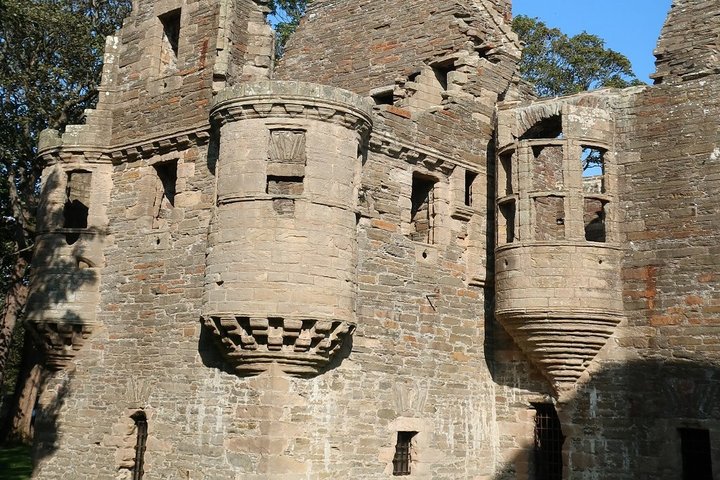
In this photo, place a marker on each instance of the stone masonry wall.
(427, 355)
(362, 45)
(662, 371)
(688, 46)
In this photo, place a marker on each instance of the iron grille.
(142, 433)
(696, 454)
(402, 459)
(549, 440)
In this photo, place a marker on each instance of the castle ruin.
(380, 255)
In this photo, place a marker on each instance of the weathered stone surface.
(281, 267)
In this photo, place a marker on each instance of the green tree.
(561, 65)
(286, 15)
(50, 63)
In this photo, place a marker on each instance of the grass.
(15, 463)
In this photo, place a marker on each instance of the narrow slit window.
(165, 191)
(77, 203)
(549, 440)
(421, 211)
(696, 454)
(170, 39)
(141, 426)
(505, 175)
(506, 230)
(470, 178)
(403, 453)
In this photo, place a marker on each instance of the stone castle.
(380, 255)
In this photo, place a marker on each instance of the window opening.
(141, 425)
(421, 211)
(77, 201)
(77, 194)
(506, 230)
(549, 440)
(593, 169)
(549, 218)
(286, 162)
(696, 454)
(550, 127)
(442, 72)
(593, 162)
(403, 453)
(505, 175)
(547, 167)
(383, 96)
(167, 173)
(165, 190)
(170, 40)
(470, 178)
(594, 218)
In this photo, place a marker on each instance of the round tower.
(558, 254)
(71, 233)
(280, 279)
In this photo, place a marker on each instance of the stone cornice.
(52, 152)
(293, 100)
(393, 147)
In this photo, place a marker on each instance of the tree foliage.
(287, 15)
(561, 65)
(50, 63)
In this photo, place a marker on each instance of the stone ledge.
(301, 346)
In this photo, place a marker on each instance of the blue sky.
(630, 27)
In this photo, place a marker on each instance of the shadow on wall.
(643, 420)
(63, 286)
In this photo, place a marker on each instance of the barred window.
(141, 425)
(403, 453)
(696, 457)
(549, 440)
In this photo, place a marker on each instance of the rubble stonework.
(260, 269)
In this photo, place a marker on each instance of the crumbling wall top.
(363, 45)
(688, 46)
